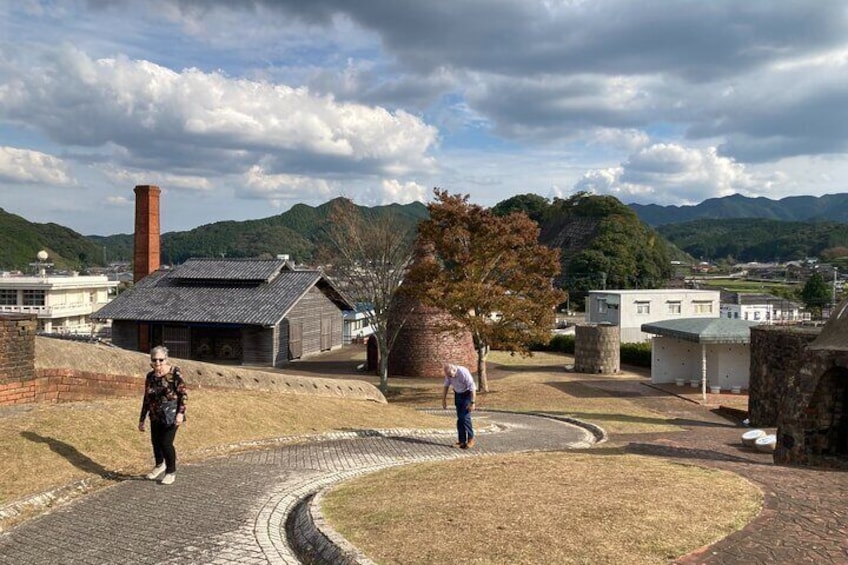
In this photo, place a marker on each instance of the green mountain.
(295, 232)
(602, 242)
(830, 207)
(756, 239)
(21, 240)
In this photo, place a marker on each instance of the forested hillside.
(20, 240)
(295, 232)
(599, 236)
(751, 239)
(830, 207)
(602, 241)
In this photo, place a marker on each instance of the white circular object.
(749, 437)
(766, 443)
(42, 255)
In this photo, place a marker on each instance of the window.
(643, 307)
(674, 307)
(756, 315)
(8, 297)
(33, 298)
(729, 314)
(702, 307)
(602, 306)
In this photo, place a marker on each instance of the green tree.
(816, 294)
(367, 255)
(489, 272)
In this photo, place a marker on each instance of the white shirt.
(462, 381)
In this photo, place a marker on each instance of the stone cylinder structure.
(597, 348)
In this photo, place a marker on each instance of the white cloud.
(391, 190)
(671, 174)
(199, 120)
(277, 188)
(28, 167)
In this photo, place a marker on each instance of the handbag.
(168, 412)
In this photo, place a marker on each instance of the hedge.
(637, 354)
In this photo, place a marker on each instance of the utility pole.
(833, 297)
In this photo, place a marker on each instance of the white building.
(629, 309)
(61, 303)
(356, 325)
(710, 354)
(761, 308)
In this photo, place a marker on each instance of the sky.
(239, 109)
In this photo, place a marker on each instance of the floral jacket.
(159, 389)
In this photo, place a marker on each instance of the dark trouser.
(162, 438)
(464, 430)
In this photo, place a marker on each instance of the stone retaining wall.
(777, 354)
(70, 371)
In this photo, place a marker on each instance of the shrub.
(638, 354)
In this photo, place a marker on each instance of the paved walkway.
(234, 509)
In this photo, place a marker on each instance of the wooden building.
(247, 311)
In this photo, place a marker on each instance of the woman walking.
(165, 403)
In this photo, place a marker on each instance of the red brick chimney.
(146, 243)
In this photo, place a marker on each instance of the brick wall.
(68, 385)
(17, 348)
(421, 349)
(22, 383)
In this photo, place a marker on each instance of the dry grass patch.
(541, 384)
(69, 442)
(541, 508)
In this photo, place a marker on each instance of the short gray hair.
(159, 349)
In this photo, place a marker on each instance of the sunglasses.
(157, 360)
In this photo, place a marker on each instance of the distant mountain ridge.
(297, 231)
(830, 207)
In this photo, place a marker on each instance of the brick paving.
(234, 509)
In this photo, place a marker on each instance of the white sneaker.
(157, 470)
(169, 478)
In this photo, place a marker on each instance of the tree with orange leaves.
(489, 272)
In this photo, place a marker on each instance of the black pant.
(162, 438)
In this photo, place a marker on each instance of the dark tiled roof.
(257, 270)
(168, 296)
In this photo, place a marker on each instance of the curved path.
(234, 509)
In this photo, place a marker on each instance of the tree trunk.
(482, 379)
(383, 366)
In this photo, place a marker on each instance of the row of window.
(9, 297)
(675, 307)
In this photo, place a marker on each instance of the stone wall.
(777, 354)
(71, 371)
(812, 423)
(597, 348)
